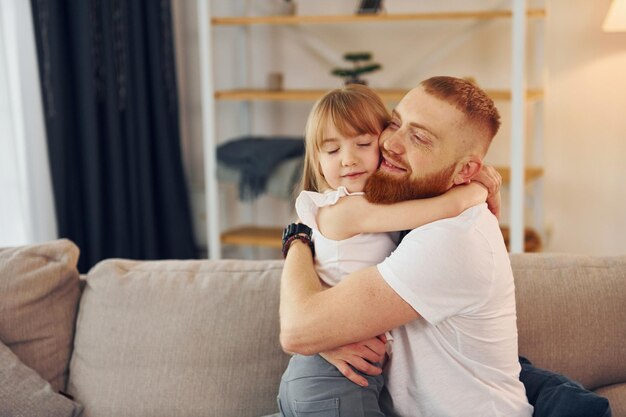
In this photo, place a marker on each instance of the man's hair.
(354, 110)
(470, 99)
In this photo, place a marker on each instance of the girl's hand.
(470, 194)
(361, 356)
(462, 197)
(492, 180)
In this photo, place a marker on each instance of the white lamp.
(615, 20)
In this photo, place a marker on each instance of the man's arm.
(360, 307)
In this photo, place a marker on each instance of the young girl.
(350, 234)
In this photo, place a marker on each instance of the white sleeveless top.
(334, 259)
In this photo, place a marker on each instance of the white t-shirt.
(335, 259)
(460, 358)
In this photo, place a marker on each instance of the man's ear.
(469, 167)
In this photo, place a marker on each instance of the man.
(446, 292)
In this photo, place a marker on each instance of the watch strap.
(297, 231)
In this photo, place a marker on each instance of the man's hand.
(492, 180)
(360, 355)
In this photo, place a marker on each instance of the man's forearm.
(299, 284)
(314, 320)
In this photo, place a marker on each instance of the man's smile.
(391, 166)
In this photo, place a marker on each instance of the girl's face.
(348, 162)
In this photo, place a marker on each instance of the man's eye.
(364, 145)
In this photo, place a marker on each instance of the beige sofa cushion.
(616, 394)
(559, 301)
(24, 393)
(161, 337)
(39, 294)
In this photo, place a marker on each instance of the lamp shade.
(615, 20)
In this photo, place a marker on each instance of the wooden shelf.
(269, 237)
(312, 95)
(330, 19)
(532, 173)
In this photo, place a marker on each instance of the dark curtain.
(110, 100)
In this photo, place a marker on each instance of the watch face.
(302, 228)
(288, 231)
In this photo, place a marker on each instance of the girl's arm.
(354, 214)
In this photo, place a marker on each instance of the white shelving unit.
(517, 174)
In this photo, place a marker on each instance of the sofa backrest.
(184, 338)
(571, 313)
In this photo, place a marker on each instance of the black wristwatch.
(297, 231)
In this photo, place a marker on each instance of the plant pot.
(355, 81)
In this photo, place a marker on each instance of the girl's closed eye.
(330, 147)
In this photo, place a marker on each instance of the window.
(26, 206)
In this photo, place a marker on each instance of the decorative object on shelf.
(289, 8)
(256, 158)
(275, 81)
(359, 60)
(615, 20)
(532, 240)
(370, 6)
(280, 183)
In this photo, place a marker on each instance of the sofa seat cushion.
(616, 394)
(39, 292)
(24, 393)
(570, 315)
(184, 338)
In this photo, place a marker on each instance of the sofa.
(200, 338)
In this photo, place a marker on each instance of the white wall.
(584, 127)
(585, 150)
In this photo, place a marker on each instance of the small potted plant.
(360, 66)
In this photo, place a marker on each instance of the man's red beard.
(382, 188)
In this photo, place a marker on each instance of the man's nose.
(394, 143)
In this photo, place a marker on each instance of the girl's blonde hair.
(354, 110)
